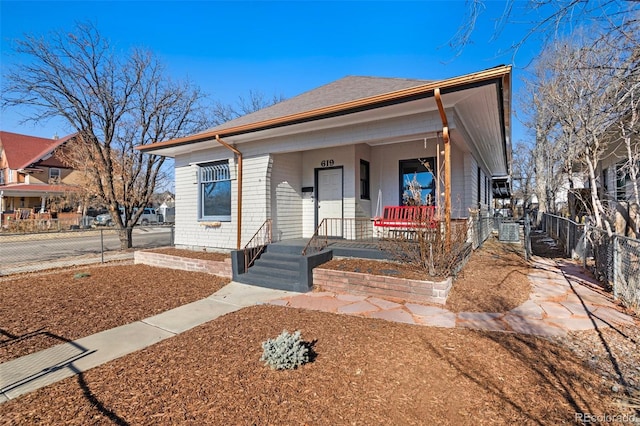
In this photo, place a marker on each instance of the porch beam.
(239, 197)
(447, 167)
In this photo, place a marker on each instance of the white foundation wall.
(286, 196)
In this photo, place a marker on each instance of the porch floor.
(365, 249)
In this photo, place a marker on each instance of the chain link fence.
(33, 251)
(567, 233)
(614, 259)
(480, 227)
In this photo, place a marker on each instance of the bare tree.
(547, 20)
(114, 103)
(586, 85)
(541, 119)
(523, 174)
(255, 101)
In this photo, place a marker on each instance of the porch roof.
(23, 150)
(353, 95)
(34, 190)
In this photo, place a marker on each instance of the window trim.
(365, 183)
(213, 172)
(479, 187)
(621, 182)
(58, 178)
(434, 174)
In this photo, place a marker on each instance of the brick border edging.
(213, 267)
(382, 286)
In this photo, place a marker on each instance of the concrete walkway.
(562, 299)
(31, 372)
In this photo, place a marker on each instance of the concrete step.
(268, 271)
(278, 260)
(278, 283)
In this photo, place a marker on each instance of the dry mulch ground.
(45, 309)
(494, 279)
(367, 371)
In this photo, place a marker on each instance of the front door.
(329, 200)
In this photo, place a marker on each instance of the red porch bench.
(407, 217)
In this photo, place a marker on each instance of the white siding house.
(343, 150)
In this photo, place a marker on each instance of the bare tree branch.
(114, 103)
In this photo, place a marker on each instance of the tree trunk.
(541, 180)
(126, 238)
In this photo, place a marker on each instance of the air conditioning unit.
(509, 232)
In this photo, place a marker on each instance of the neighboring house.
(616, 185)
(31, 173)
(343, 150)
(615, 181)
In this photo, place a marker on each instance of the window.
(54, 175)
(479, 195)
(215, 191)
(621, 182)
(423, 171)
(605, 180)
(2, 172)
(365, 193)
(486, 190)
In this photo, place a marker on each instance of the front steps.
(281, 267)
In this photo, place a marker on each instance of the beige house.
(31, 173)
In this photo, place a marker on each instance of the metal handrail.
(256, 245)
(313, 241)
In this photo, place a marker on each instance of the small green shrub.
(81, 275)
(285, 352)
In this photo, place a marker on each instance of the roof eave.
(501, 72)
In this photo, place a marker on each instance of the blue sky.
(281, 48)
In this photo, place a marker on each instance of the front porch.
(288, 264)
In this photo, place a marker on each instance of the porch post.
(447, 168)
(42, 203)
(239, 198)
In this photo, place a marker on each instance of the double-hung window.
(215, 191)
(364, 180)
(621, 182)
(54, 175)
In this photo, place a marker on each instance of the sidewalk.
(562, 300)
(31, 372)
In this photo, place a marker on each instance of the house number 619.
(326, 163)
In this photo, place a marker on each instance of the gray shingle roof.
(346, 89)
